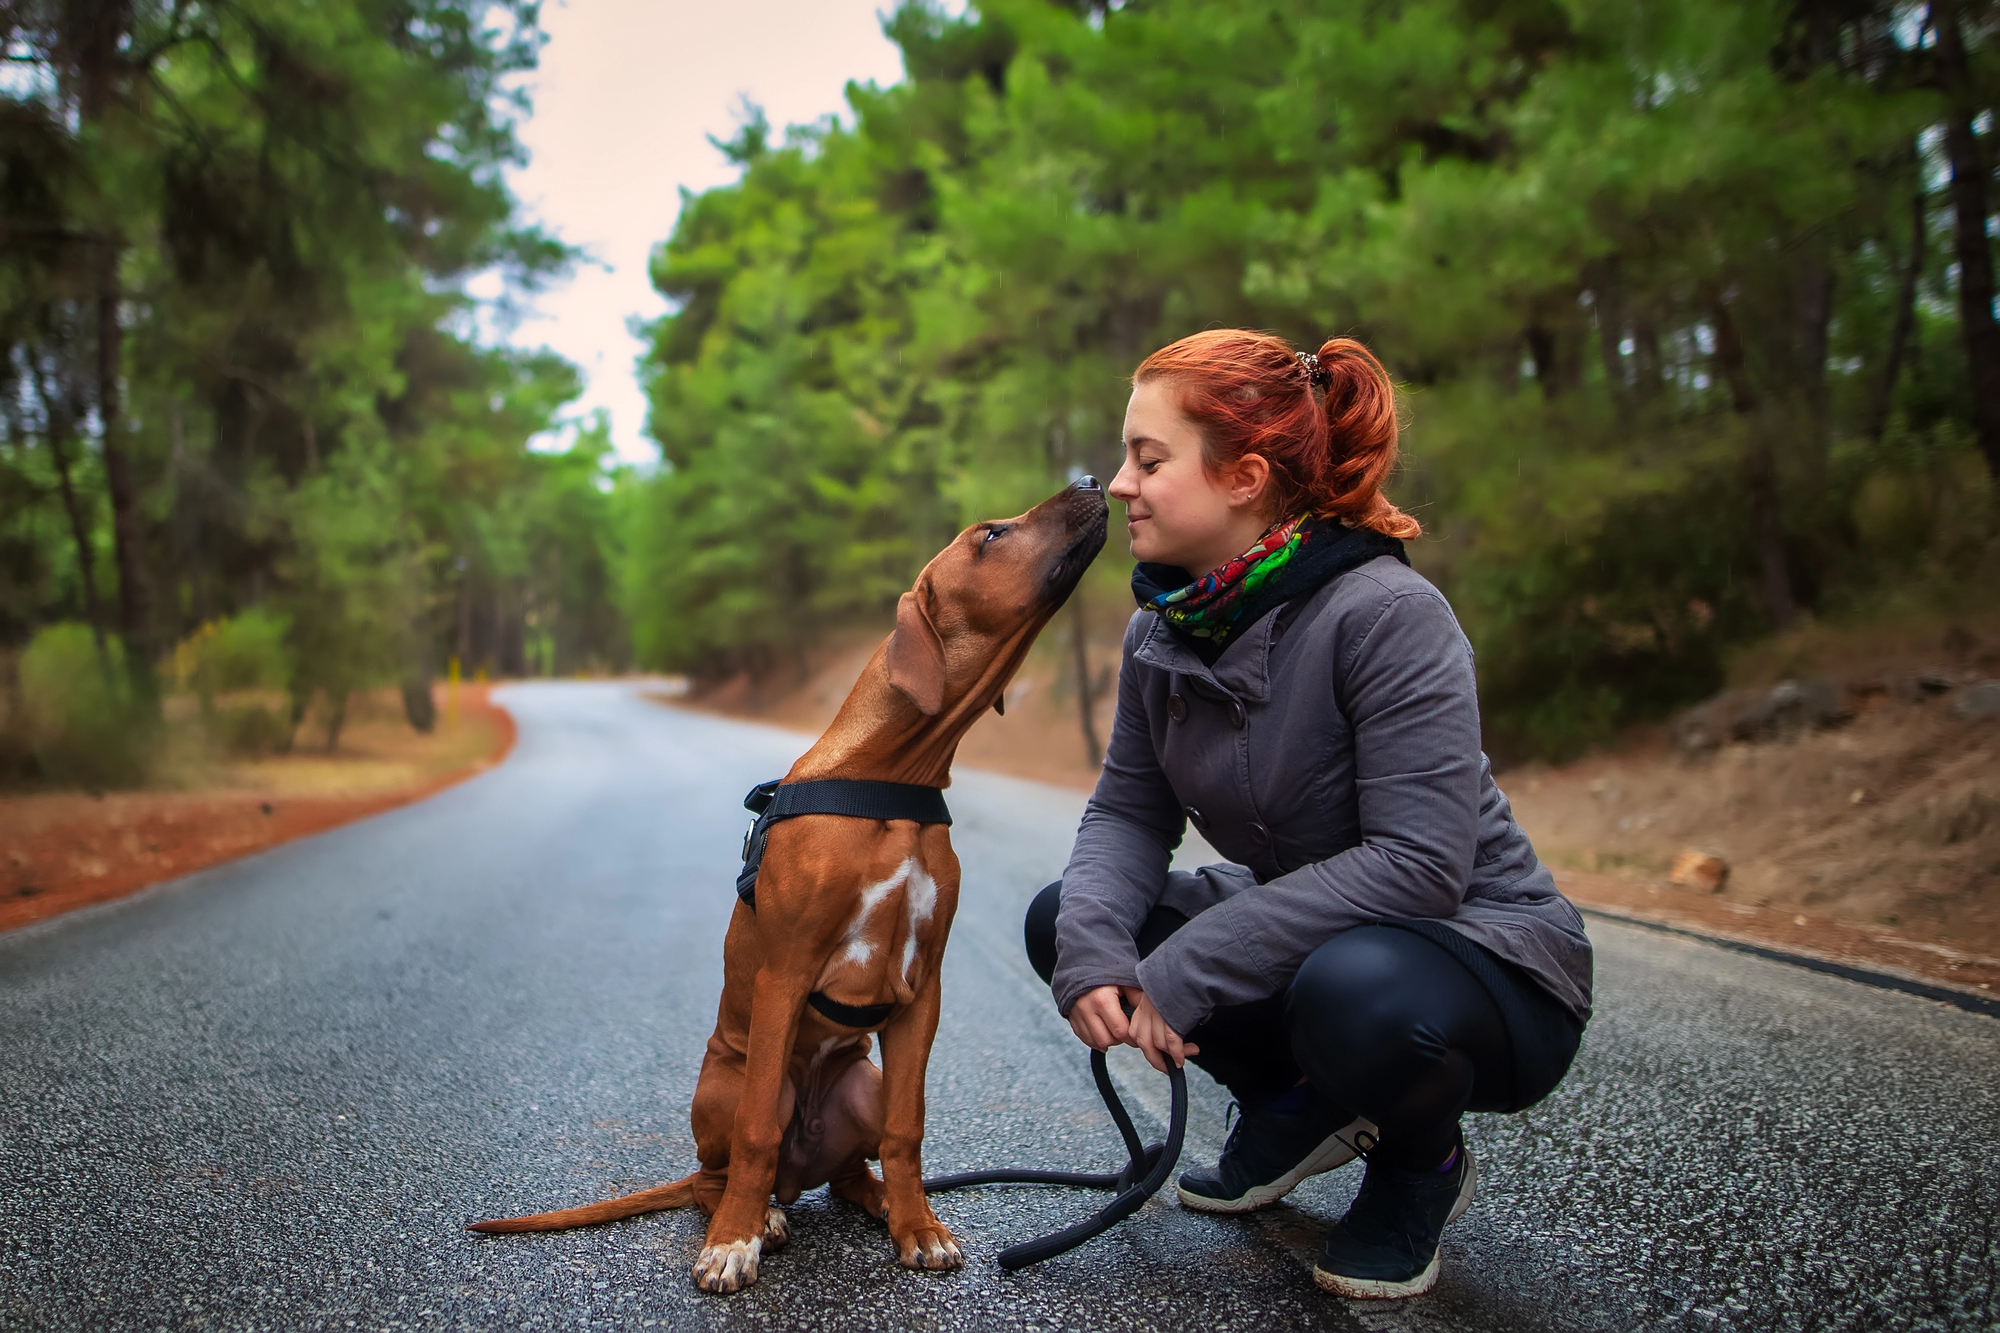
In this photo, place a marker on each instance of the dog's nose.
(1086, 482)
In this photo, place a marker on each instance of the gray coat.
(1333, 753)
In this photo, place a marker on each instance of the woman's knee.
(1358, 1012)
(1040, 930)
(1357, 971)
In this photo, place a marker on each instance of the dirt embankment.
(1878, 840)
(64, 850)
(1858, 816)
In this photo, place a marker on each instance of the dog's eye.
(995, 530)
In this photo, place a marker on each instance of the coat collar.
(1243, 670)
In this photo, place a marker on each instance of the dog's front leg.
(921, 1240)
(735, 1240)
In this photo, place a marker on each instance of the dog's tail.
(677, 1195)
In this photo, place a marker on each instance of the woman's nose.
(1125, 486)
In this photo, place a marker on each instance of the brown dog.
(856, 911)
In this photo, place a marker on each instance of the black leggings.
(1380, 1020)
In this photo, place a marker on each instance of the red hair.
(1329, 452)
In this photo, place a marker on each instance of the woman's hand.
(1098, 1019)
(1148, 1031)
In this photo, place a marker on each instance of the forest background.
(1693, 304)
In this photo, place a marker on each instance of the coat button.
(1196, 818)
(1237, 717)
(1176, 708)
(1261, 834)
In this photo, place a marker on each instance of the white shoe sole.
(1465, 1191)
(1370, 1289)
(1374, 1289)
(1336, 1151)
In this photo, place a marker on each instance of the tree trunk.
(465, 617)
(1646, 359)
(58, 418)
(1610, 312)
(1975, 253)
(1760, 473)
(134, 619)
(1815, 314)
(1542, 350)
(336, 718)
(94, 39)
(1086, 694)
(1906, 314)
(419, 705)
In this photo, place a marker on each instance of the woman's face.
(1176, 511)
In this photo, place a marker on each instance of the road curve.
(268, 1095)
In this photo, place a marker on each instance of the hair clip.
(1316, 375)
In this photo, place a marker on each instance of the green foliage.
(1641, 267)
(237, 382)
(1673, 288)
(797, 459)
(81, 719)
(240, 652)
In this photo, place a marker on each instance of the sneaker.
(1387, 1245)
(1270, 1152)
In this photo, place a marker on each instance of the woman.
(1385, 947)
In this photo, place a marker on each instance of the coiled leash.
(1141, 1179)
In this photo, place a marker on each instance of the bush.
(242, 652)
(251, 729)
(80, 715)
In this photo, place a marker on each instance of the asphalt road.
(268, 1095)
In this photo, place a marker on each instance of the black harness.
(856, 798)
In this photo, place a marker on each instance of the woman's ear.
(916, 655)
(1250, 481)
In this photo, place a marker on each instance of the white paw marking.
(934, 1252)
(727, 1268)
(777, 1229)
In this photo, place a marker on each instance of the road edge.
(1969, 1001)
(324, 820)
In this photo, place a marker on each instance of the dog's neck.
(880, 735)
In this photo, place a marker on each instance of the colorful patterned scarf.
(1209, 607)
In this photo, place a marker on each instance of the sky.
(624, 101)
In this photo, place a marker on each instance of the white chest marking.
(922, 900)
(858, 949)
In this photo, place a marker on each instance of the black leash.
(775, 801)
(1141, 1179)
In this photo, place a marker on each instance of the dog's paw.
(777, 1231)
(929, 1247)
(726, 1268)
(865, 1191)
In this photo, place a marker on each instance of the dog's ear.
(916, 656)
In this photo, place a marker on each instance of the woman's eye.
(1148, 466)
